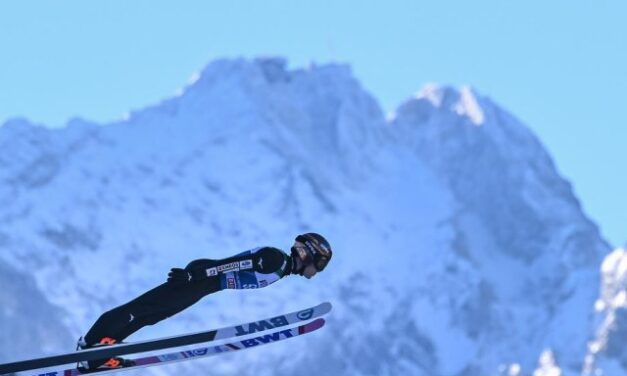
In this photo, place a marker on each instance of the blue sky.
(560, 66)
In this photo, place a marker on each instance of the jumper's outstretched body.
(255, 268)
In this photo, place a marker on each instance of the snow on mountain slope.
(517, 214)
(459, 249)
(606, 353)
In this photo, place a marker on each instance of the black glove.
(179, 277)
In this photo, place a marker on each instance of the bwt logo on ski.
(260, 326)
(48, 374)
(305, 315)
(267, 338)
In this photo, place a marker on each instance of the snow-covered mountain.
(459, 248)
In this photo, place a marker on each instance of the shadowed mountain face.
(29, 324)
(459, 250)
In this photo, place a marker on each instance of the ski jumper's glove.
(179, 277)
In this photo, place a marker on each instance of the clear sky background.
(560, 66)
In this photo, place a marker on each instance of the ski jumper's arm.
(252, 269)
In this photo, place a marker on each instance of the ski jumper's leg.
(153, 306)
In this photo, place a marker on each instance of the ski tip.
(314, 325)
(325, 307)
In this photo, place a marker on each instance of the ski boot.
(89, 366)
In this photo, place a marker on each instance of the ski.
(168, 342)
(201, 352)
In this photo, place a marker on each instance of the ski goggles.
(312, 253)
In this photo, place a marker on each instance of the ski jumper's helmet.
(316, 250)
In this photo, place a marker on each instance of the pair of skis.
(277, 326)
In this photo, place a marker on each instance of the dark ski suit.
(255, 268)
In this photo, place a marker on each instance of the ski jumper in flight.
(255, 268)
